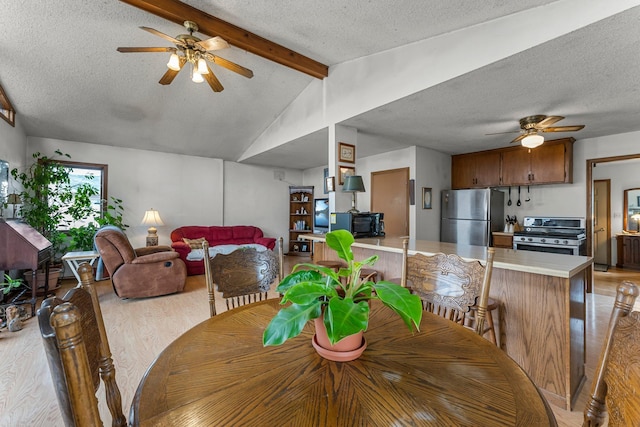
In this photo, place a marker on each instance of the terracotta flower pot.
(345, 350)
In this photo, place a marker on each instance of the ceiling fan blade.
(168, 77)
(519, 138)
(214, 43)
(502, 133)
(230, 65)
(548, 121)
(146, 49)
(563, 128)
(213, 81)
(163, 35)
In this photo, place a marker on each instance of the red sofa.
(215, 235)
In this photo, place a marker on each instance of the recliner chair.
(139, 273)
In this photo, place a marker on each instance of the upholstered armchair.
(139, 273)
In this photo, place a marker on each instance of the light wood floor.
(140, 329)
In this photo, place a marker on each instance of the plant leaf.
(400, 300)
(344, 317)
(298, 277)
(341, 241)
(307, 293)
(289, 322)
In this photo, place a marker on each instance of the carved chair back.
(616, 384)
(243, 276)
(78, 353)
(450, 286)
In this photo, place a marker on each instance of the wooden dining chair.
(451, 287)
(616, 385)
(243, 276)
(77, 349)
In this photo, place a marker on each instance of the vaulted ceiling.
(61, 70)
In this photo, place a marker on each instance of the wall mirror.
(631, 210)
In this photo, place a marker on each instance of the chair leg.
(490, 328)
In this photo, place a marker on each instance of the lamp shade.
(152, 218)
(532, 141)
(353, 183)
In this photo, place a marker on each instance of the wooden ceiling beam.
(178, 12)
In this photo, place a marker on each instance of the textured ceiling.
(61, 70)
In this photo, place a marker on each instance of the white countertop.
(547, 264)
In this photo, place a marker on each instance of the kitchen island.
(541, 298)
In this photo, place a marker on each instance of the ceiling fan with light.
(196, 52)
(532, 128)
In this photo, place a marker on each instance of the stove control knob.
(566, 242)
(556, 241)
(530, 239)
(522, 239)
(543, 240)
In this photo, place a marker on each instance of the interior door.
(601, 224)
(390, 195)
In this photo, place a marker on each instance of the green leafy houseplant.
(49, 200)
(342, 295)
(81, 238)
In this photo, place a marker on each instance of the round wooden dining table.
(219, 374)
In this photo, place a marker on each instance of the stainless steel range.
(560, 235)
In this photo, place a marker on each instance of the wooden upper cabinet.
(550, 163)
(472, 170)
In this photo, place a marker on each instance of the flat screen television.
(321, 215)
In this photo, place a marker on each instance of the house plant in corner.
(49, 200)
(337, 301)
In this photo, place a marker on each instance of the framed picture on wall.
(330, 184)
(326, 175)
(346, 152)
(346, 171)
(426, 198)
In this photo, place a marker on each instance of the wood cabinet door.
(463, 171)
(487, 164)
(548, 164)
(516, 166)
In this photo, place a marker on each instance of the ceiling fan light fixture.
(202, 66)
(532, 140)
(196, 77)
(174, 62)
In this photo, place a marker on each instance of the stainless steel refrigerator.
(469, 216)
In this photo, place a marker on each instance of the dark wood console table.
(628, 251)
(23, 247)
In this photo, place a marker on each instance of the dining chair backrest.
(242, 276)
(78, 353)
(616, 386)
(449, 286)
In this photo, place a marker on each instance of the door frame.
(590, 163)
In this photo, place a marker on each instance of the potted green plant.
(81, 237)
(8, 286)
(50, 202)
(340, 299)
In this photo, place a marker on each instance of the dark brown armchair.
(139, 273)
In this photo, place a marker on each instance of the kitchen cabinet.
(551, 163)
(628, 251)
(502, 240)
(547, 164)
(475, 170)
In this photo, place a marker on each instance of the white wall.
(254, 196)
(433, 171)
(186, 190)
(13, 149)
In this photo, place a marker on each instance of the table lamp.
(353, 184)
(152, 219)
(636, 218)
